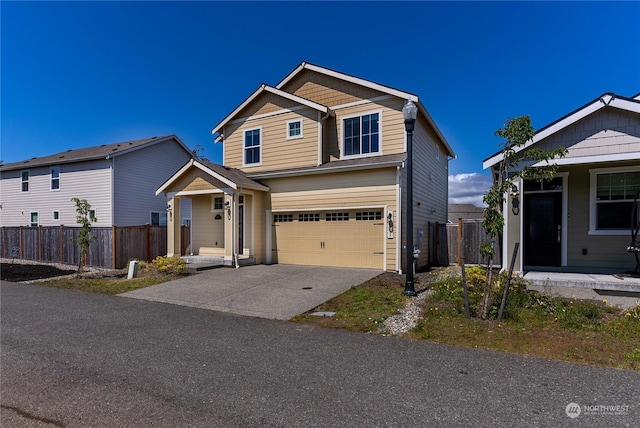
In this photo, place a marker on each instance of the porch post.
(173, 227)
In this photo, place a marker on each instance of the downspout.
(398, 219)
(320, 135)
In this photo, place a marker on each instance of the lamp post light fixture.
(409, 112)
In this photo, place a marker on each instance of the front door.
(543, 229)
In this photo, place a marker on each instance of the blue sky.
(77, 74)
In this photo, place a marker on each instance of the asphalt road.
(77, 359)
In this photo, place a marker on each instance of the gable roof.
(605, 100)
(278, 90)
(371, 85)
(104, 151)
(232, 177)
(255, 94)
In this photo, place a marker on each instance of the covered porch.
(226, 215)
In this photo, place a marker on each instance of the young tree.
(198, 152)
(516, 132)
(84, 219)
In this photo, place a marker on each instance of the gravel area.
(87, 271)
(408, 317)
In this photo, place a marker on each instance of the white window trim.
(593, 173)
(160, 213)
(361, 155)
(213, 204)
(51, 179)
(53, 215)
(37, 213)
(294, 137)
(28, 182)
(244, 158)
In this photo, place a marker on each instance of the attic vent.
(130, 144)
(153, 138)
(103, 145)
(70, 150)
(60, 157)
(113, 150)
(34, 157)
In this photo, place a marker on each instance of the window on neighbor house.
(92, 215)
(252, 146)
(55, 178)
(33, 219)
(24, 179)
(361, 135)
(55, 215)
(294, 129)
(615, 191)
(158, 218)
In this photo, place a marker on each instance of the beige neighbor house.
(580, 221)
(314, 174)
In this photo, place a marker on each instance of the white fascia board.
(625, 105)
(215, 175)
(594, 159)
(348, 78)
(431, 122)
(558, 126)
(230, 116)
(297, 99)
(174, 177)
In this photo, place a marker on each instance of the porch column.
(173, 227)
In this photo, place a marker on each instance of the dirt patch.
(27, 272)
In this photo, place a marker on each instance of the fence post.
(148, 236)
(114, 248)
(20, 242)
(459, 242)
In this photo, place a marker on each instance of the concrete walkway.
(616, 290)
(274, 292)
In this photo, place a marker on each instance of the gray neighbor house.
(118, 180)
(581, 220)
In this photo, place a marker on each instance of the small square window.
(55, 215)
(218, 203)
(158, 218)
(92, 215)
(294, 129)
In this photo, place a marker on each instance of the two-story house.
(314, 173)
(118, 180)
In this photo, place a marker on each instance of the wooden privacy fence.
(473, 236)
(111, 247)
(438, 244)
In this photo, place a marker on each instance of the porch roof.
(233, 178)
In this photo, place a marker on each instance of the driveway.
(263, 291)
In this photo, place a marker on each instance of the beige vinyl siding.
(327, 90)
(258, 226)
(194, 180)
(277, 152)
(87, 180)
(607, 131)
(391, 125)
(138, 174)
(602, 250)
(209, 232)
(371, 188)
(430, 190)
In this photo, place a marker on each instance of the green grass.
(588, 332)
(106, 285)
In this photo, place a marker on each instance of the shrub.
(171, 265)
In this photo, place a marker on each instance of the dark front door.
(542, 229)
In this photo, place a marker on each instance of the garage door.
(344, 238)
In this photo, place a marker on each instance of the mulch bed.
(26, 272)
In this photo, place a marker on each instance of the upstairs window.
(55, 178)
(361, 134)
(294, 129)
(252, 145)
(24, 179)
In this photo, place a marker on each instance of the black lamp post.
(410, 112)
